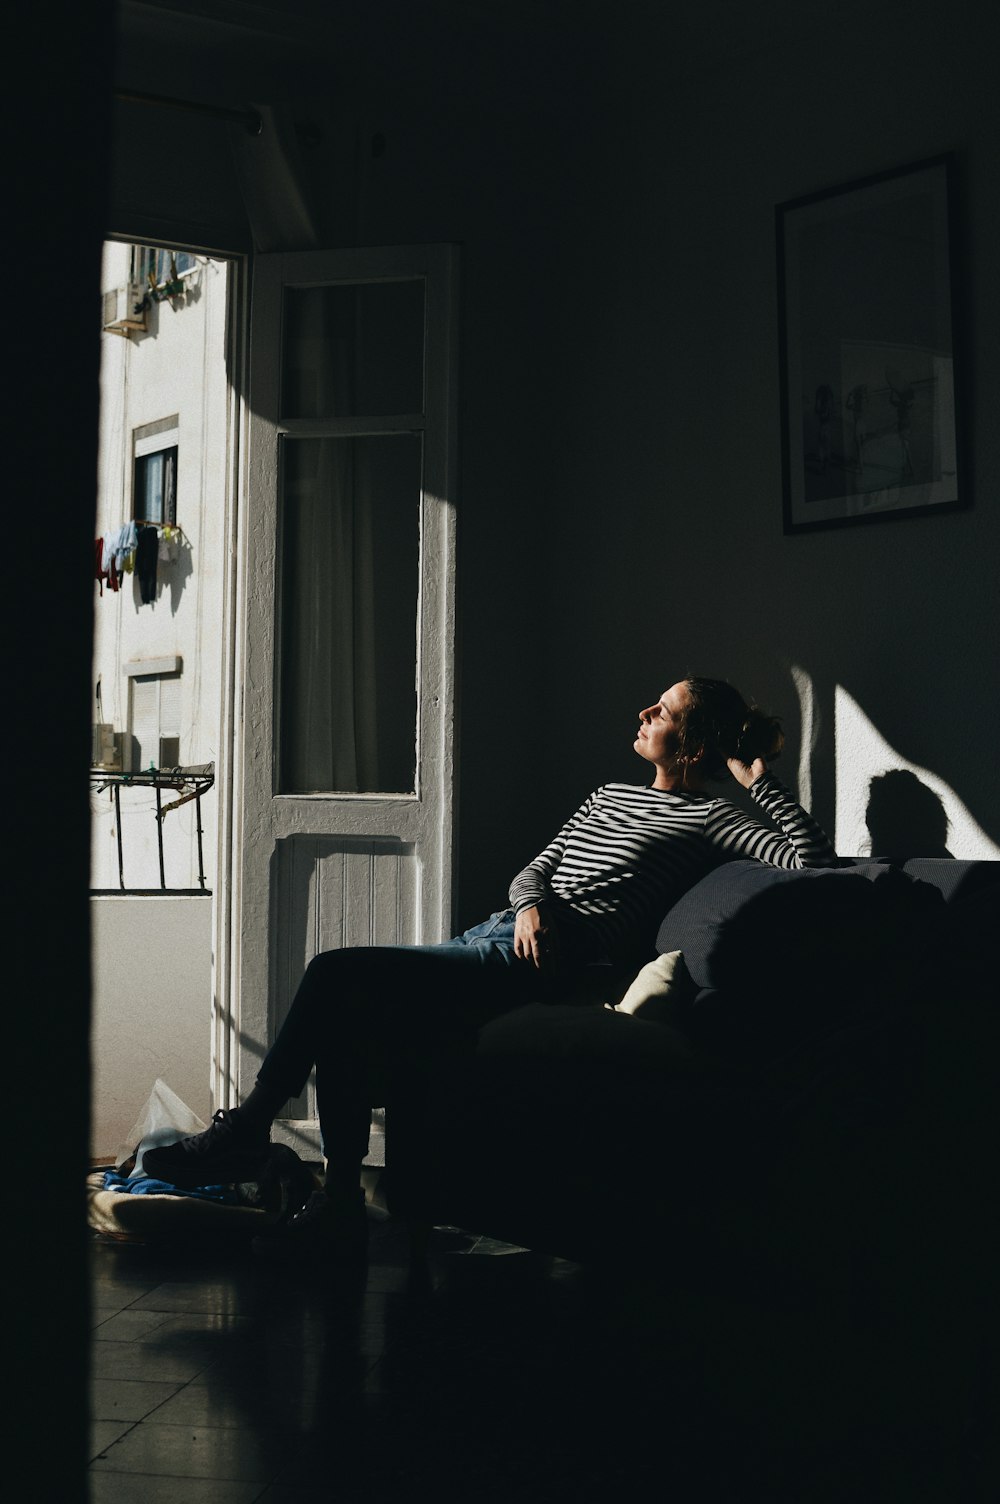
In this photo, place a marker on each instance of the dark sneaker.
(327, 1233)
(284, 1183)
(225, 1154)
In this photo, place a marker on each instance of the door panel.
(347, 669)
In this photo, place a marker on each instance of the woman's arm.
(531, 885)
(535, 936)
(798, 841)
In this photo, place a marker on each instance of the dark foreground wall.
(56, 115)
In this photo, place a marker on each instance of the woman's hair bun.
(719, 724)
(760, 736)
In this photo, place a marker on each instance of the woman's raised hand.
(746, 773)
(536, 939)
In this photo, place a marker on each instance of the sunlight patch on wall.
(862, 754)
(807, 722)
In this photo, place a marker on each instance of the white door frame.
(225, 931)
(259, 819)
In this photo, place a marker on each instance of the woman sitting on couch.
(587, 906)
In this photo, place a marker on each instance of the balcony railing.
(189, 784)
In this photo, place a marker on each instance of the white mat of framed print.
(867, 350)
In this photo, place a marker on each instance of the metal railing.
(189, 783)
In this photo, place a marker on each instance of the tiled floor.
(217, 1380)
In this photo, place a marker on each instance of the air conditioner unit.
(119, 307)
(106, 747)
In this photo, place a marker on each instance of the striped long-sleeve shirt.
(629, 852)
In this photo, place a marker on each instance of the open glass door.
(345, 778)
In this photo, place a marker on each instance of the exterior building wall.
(177, 367)
(151, 957)
(151, 979)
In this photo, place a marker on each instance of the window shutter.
(145, 722)
(156, 721)
(170, 705)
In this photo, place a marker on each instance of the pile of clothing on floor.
(126, 1204)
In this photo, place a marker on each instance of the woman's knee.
(332, 979)
(326, 963)
(333, 964)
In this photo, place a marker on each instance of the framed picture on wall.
(867, 350)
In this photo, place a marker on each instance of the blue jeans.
(360, 1013)
(490, 943)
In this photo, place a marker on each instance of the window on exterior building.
(151, 263)
(154, 486)
(154, 720)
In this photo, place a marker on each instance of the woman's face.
(660, 725)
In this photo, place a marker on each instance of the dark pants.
(361, 1013)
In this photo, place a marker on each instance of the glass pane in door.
(349, 537)
(353, 349)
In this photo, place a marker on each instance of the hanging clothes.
(128, 543)
(146, 552)
(111, 566)
(125, 544)
(99, 571)
(110, 550)
(169, 546)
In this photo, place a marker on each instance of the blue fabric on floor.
(144, 1185)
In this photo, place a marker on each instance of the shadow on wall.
(880, 803)
(861, 752)
(904, 817)
(169, 571)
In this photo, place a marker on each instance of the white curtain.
(350, 546)
(328, 685)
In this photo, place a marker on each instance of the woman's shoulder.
(642, 795)
(626, 791)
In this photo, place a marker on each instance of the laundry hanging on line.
(135, 547)
(146, 555)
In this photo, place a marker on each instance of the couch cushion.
(968, 963)
(750, 925)
(658, 991)
(957, 880)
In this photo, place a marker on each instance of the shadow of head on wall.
(904, 817)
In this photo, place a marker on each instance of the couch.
(780, 1181)
(830, 1060)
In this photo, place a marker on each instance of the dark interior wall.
(714, 130)
(612, 176)
(465, 123)
(486, 131)
(611, 173)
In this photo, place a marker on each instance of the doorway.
(346, 763)
(161, 676)
(316, 682)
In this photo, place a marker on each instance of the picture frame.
(867, 344)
